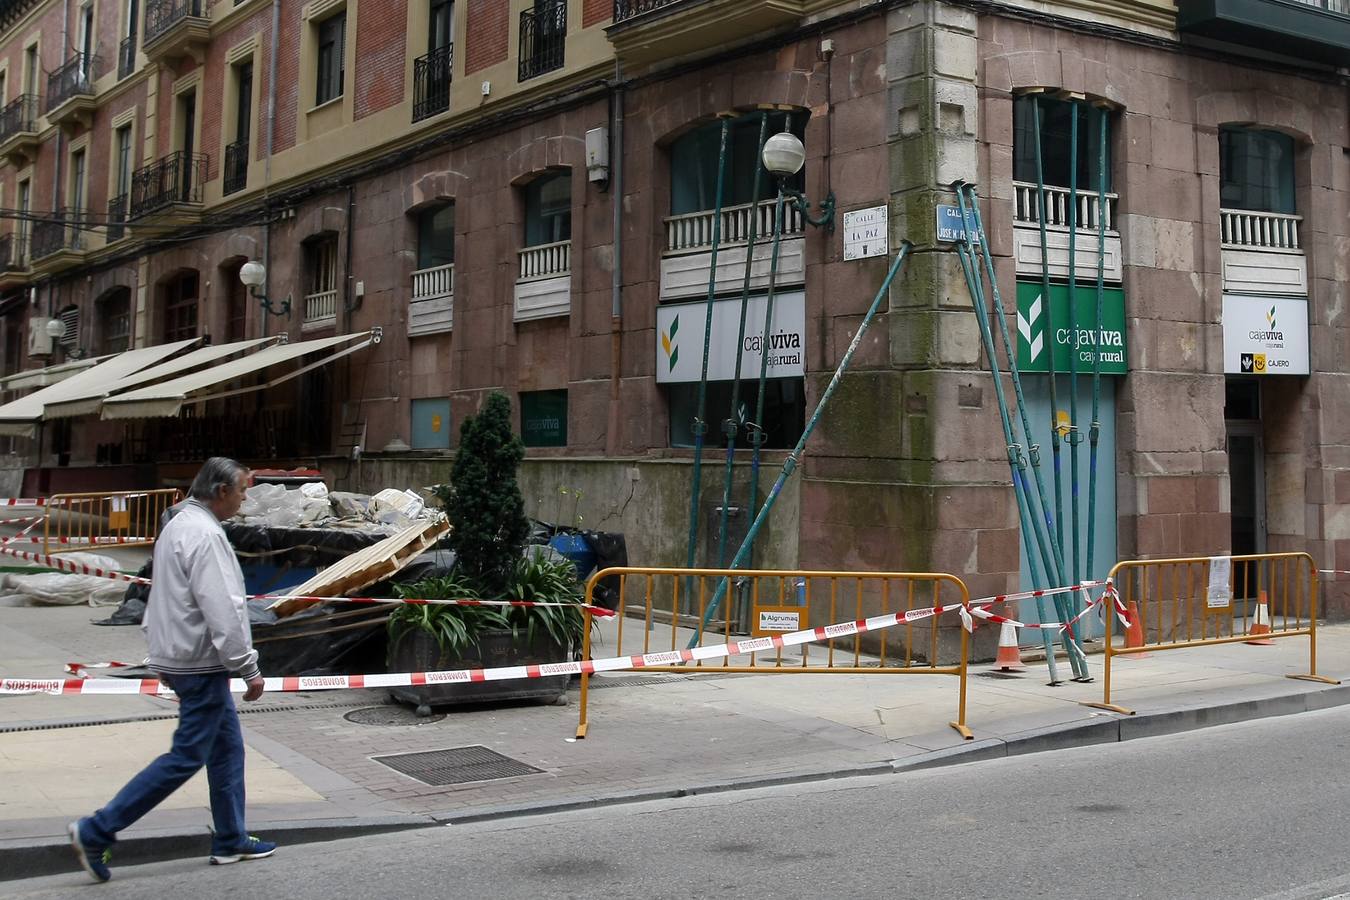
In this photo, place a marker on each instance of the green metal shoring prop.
(1016, 462)
(1049, 320)
(1094, 430)
(790, 465)
(700, 426)
(1050, 549)
(731, 427)
(1073, 437)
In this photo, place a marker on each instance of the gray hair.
(218, 472)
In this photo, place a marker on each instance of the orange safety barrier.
(1175, 604)
(105, 521)
(666, 609)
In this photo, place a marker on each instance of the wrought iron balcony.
(18, 128)
(236, 167)
(126, 57)
(627, 9)
(169, 182)
(176, 28)
(543, 37)
(431, 82)
(117, 218)
(71, 84)
(63, 230)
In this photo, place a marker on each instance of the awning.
(169, 397)
(20, 417)
(40, 378)
(89, 402)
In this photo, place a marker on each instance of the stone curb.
(52, 856)
(1113, 728)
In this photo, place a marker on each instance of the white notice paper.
(1220, 594)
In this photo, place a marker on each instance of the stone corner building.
(520, 195)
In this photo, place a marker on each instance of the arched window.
(114, 321)
(1056, 127)
(693, 163)
(1256, 170)
(180, 306)
(548, 209)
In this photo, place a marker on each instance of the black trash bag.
(131, 611)
(610, 550)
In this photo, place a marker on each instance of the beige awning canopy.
(88, 402)
(21, 417)
(48, 376)
(167, 398)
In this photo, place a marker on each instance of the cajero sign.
(1265, 335)
(679, 338)
(1043, 328)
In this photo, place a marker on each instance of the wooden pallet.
(365, 567)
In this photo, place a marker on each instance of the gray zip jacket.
(197, 620)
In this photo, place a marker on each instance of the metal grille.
(543, 37)
(126, 57)
(458, 765)
(627, 9)
(236, 166)
(431, 82)
(176, 178)
(73, 79)
(161, 15)
(389, 716)
(19, 117)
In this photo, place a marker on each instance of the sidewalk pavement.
(312, 773)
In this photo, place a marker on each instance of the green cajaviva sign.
(1042, 326)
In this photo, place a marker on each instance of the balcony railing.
(543, 35)
(321, 306)
(74, 78)
(1335, 6)
(1249, 230)
(434, 283)
(431, 82)
(236, 167)
(693, 232)
(64, 230)
(13, 253)
(161, 15)
(126, 57)
(117, 218)
(176, 178)
(627, 9)
(545, 261)
(19, 116)
(1057, 206)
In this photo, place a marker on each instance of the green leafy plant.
(455, 628)
(539, 578)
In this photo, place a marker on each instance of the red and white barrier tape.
(23, 520)
(422, 601)
(20, 536)
(23, 501)
(74, 568)
(78, 669)
(1081, 587)
(102, 686)
(1333, 571)
(77, 541)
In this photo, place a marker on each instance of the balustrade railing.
(117, 218)
(1057, 206)
(433, 283)
(546, 260)
(1251, 230)
(176, 178)
(161, 15)
(19, 116)
(694, 231)
(74, 78)
(235, 175)
(320, 306)
(543, 36)
(431, 82)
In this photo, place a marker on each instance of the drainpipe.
(616, 280)
(348, 306)
(267, 159)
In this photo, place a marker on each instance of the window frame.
(330, 65)
(1258, 143)
(693, 162)
(558, 223)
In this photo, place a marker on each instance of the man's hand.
(255, 688)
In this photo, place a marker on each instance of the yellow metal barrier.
(667, 608)
(1185, 603)
(103, 521)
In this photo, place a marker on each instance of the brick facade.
(488, 34)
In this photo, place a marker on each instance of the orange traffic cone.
(1261, 624)
(1134, 632)
(1009, 657)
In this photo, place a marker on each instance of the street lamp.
(784, 157)
(253, 274)
(56, 329)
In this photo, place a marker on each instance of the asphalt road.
(1256, 810)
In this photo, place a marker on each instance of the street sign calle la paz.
(950, 227)
(866, 233)
(1038, 330)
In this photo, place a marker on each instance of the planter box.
(417, 651)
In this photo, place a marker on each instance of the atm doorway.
(1246, 466)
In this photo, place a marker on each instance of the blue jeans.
(207, 735)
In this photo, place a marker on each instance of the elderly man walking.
(196, 625)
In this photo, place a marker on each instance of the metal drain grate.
(458, 765)
(389, 715)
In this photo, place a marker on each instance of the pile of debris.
(312, 505)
